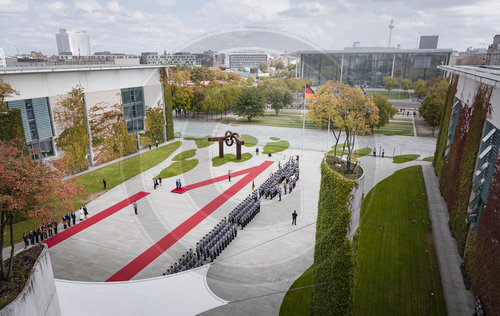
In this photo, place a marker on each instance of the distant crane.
(391, 26)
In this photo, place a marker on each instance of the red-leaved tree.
(28, 189)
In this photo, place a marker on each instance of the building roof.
(368, 50)
(72, 68)
(487, 74)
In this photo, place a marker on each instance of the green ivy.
(169, 107)
(154, 126)
(333, 253)
(445, 122)
(480, 108)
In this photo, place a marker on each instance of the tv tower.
(391, 26)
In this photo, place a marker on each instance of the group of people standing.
(178, 184)
(49, 229)
(156, 181)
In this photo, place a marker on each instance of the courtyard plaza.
(251, 276)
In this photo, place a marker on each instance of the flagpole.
(303, 119)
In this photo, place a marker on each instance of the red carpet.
(144, 259)
(75, 229)
(182, 190)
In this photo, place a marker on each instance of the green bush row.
(333, 253)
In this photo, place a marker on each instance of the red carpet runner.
(144, 259)
(74, 229)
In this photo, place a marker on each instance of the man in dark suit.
(294, 218)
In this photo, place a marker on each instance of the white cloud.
(87, 5)
(113, 6)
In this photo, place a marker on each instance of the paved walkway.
(459, 301)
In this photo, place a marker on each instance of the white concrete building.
(40, 89)
(241, 60)
(76, 42)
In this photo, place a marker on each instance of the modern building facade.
(41, 88)
(493, 54)
(76, 42)
(368, 66)
(176, 59)
(428, 42)
(473, 135)
(250, 60)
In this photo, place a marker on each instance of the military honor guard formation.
(213, 243)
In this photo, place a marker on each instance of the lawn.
(357, 152)
(397, 270)
(274, 138)
(200, 142)
(178, 167)
(296, 302)
(431, 159)
(250, 141)
(274, 147)
(114, 174)
(281, 120)
(397, 126)
(217, 161)
(393, 95)
(404, 158)
(185, 155)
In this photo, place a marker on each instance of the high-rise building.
(3, 63)
(76, 42)
(428, 42)
(493, 54)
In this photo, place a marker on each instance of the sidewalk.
(459, 301)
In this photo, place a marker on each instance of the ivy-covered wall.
(445, 122)
(154, 126)
(169, 107)
(333, 253)
(482, 256)
(11, 126)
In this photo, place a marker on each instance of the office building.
(428, 42)
(250, 60)
(41, 88)
(368, 66)
(76, 42)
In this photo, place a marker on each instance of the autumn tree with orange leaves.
(28, 189)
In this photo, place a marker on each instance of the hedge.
(445, 122)
(333, 253)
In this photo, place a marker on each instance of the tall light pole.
(391, 26)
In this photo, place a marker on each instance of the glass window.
(133, 109)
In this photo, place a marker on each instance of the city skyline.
(129, 27)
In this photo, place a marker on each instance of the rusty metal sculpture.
(229, 138)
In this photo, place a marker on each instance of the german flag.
(310, 93)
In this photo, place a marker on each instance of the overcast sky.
(155, 25)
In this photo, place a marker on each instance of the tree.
(200, 74)
(279, 98)
(28, 189)
(406, 84)
(250, 80)
(439, 85)
(348, 109)
(280, 65)
(420, 88)
(154, 125)
(5, 92)
(249, 104)
(74, 139)
(385, 110)
(264, 67)
(169, 106)
(183, 98)
(110, 138)
(431, 110)
(390, 83)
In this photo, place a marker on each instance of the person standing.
(50, 229)
(25, 238)
(65, 224)
(104, 184)
(54, 225)
(73, 217)
(253, 186)
(180, 184)
(374, 152)
(229, 175)
(155, 183)
(159, 179)
(32, 238)
(68, 219)
(135, 207)
(149, 145)
(82, 215)
(256, 151)
(156, 143)
(177, 184)
(383, 152)
(294, 217)
(279, 193)
(85, 212)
